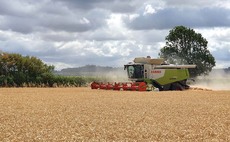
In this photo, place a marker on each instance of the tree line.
(28, 71)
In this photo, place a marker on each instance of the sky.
(74, 33)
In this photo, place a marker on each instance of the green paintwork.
(173, 75)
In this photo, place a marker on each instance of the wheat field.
(82, 114)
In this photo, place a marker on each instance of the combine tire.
(177, 86)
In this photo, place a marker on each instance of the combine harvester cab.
(148, 74)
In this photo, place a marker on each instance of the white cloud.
(84, 21)
(218, 38)
(133, 16)
(149, 9)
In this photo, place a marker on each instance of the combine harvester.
(147, 74)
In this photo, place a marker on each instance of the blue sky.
(73, 33)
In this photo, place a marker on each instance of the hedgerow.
(28, 71)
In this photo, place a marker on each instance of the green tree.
(185, 46)
(17, 69)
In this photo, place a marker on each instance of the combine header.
(133, 86)
(148, 74)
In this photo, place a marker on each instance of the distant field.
(82, 114)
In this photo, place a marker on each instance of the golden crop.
(82, 114)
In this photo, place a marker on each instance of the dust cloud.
(218, 79)
(118, 76)
(112, 76)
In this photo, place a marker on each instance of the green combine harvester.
(150, 74)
